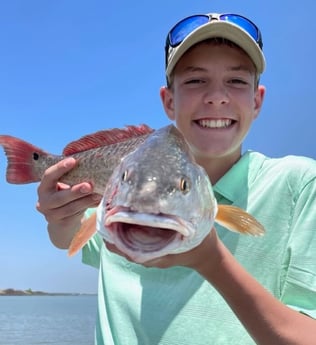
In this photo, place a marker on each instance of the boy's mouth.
(218, 123)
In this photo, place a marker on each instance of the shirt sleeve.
(299, 289)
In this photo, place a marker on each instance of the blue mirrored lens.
(244, 23)
(185, 27)
(181, 30)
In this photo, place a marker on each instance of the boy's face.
(213, 99)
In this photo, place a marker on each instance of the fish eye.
(124, 176)
(35, 156)
(184, 185)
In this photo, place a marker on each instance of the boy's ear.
(167, 99)
(259, 97)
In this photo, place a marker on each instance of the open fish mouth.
(145, 232)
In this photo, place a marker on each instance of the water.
(39, 320)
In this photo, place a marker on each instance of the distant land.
(30, 292)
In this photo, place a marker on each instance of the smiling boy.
(213, 98)
(230, 289)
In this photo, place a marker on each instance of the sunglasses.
(187, 25)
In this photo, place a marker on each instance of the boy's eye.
(238, 81)
(194, 81)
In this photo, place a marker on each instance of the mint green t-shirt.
(176, 306)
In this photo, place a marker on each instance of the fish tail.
(235, 219)
(86, 231)
(21, 156)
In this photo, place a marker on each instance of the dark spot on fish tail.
(35, 156)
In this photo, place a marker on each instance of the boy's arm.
(266, 319)
(63, 206)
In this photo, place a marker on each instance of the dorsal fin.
(106, 137)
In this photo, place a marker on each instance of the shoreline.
(30, 292)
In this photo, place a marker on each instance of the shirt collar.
(236, 181)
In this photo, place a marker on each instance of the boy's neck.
(216, 168)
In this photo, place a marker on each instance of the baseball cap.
(196, 28)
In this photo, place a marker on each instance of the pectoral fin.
(238, 220)
(86, 231)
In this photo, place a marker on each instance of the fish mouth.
(145, 235)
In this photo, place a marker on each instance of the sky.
(72, 67)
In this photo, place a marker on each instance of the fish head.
(158, 200)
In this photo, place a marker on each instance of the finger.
(83, 192)
(53, 194)
(66, 203)
(53, 174)
(62, 186)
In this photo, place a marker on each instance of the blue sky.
(72, 67)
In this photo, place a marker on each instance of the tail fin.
(21, 156)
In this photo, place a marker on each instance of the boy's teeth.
(215, 123)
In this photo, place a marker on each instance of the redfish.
(159, 201)
(97, 155)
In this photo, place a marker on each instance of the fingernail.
(84, 189)
(67, 163)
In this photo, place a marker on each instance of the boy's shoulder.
(293, 169)
(291, 162)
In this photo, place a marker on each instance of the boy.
(230, 289)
